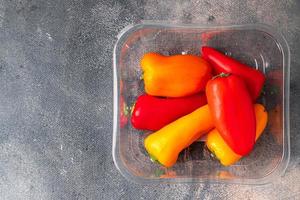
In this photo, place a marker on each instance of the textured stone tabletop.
(56, 96)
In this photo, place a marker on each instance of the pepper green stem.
(221, 75)
(132, 108)
(154, 159)
(125, 109)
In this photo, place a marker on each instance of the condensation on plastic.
(256, 45)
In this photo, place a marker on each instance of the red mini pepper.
(232, 111)
(253, 78)
(153, 113)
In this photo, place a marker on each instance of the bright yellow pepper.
(222, 151)
(165, 145)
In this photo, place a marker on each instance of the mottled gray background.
(56, 96)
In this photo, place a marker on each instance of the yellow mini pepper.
(165, 145)
(222, 151)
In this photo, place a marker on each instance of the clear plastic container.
(256, 45)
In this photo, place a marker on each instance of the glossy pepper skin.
(253, 78)
(165, 144)
(222, 151)
(153, 113)
(232, 111)
(174, 76)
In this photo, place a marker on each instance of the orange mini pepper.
(165, 145)
(174, 76)
(222, 151)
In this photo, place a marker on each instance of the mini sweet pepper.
(174, 76)
(232, 110)
(153, 113)
(253, 78)
(166, 144)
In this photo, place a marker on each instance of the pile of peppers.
(188, 96)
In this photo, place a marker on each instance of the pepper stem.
(125, 109)
(211, 153)
(132, 108)
(154, 159)
(221, 75)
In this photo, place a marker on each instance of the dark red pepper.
(232, 111)
(153, 113)
(253, 78)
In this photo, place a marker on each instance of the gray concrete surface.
(56, 96)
